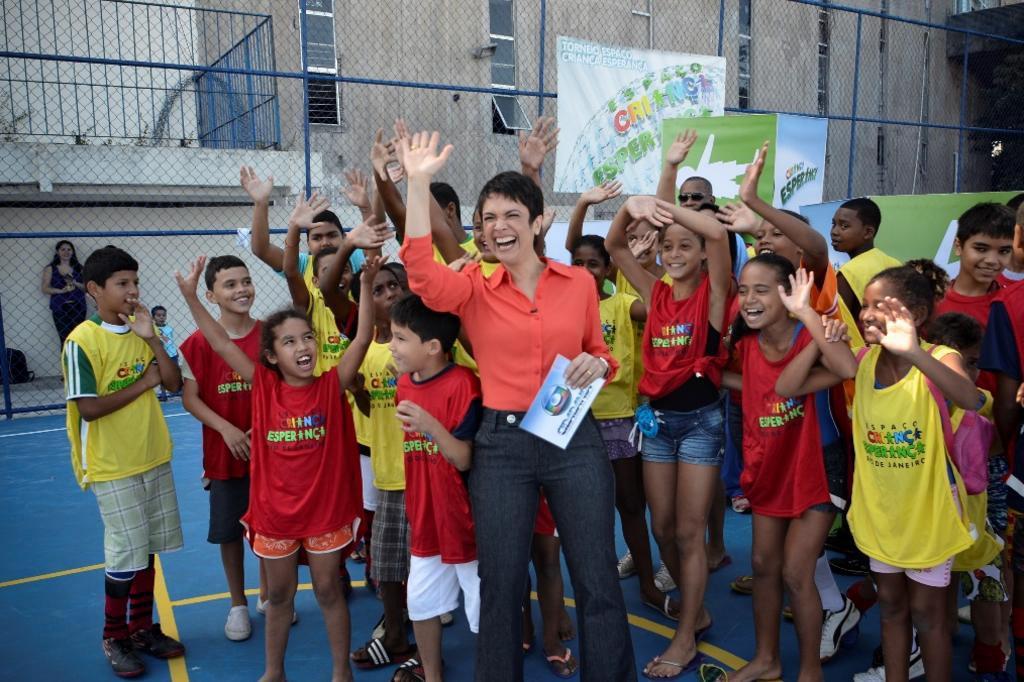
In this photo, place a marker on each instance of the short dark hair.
(936, 276)
(411, 312)
(218, 263)
(956, 330)
(987, 218)
(517, 187)
(912, 289)
(327, 217)
(867, 211)
(793, 214)
(1016, 202)
(155, 308)
(703, 181)
(326, 251)
(102, 263)
(445, 194)
(596, 242)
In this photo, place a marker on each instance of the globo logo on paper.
(557, 401)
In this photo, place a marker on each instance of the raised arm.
(259, 191)
(635, 208)
(215, 334)
(533, 148)
(675, 155)
(356, 351)
(806, 238)
(357, 191)
(142, 325)
(440, 287)
(301, 218)
(592, 197)
(381, 154)
(367, 236)
(835, 355)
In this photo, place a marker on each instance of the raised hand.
(306, 209)
(189, 283)
(541, 140)
(420, 157)
(142, 323)
(381, 154)
(459, 264)
(548, 220)
(748, 187)
(900, 336)
(682, 145)
(651, 209)
(258, 190)
(738, 217)
(602, 193)
(357, 191)
(369, 272)
(367, 235)
(641, 246)
(836, 330)
(798, 300)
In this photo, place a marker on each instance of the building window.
(743, 63)
(823, 37)
(322, 58)
(507, 115)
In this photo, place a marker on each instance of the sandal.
(373, 655)
(564, 666)
(682, 669)
(740, 505)
(709, 672)
(410, 671)
(743, 585)
(663, 609)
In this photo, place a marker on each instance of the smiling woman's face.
(508, 230)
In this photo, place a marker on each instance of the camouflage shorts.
(984, 584)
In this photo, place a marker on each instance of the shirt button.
(511, 418)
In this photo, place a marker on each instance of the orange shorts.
(271, 548)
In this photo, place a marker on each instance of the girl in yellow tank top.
(904, 512)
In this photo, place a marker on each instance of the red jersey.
(1004, 281)
(976, 307)
(544, 524)
(224, 391)
(305, 475)
(783, 467)
(675, 338)
(436, 499)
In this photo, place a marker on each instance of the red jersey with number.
(675, 340)
(783, 467)
(436, 498)
(227, 394)
(976, 307)
(305, 475)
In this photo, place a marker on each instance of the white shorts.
(369, 492)
(433, 589)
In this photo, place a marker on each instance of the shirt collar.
(550, 266)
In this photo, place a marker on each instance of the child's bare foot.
(676, 660)
(273, 677)
(758, 669)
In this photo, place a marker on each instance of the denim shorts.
(695, 437)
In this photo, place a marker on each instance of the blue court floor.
(51, 587)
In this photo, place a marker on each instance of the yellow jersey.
(330, 342)
(902, 511)
(617, 398)
(100, 359)
(857, 273)
(988, 545)
(382, 428)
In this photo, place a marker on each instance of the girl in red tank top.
(305, 487)
(683, 360)
(784, 473)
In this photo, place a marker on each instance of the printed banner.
(800, 143)
(913, 225)
(611, 102)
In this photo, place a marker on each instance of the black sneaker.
(155, 643)
(123, 660)
(851, 565)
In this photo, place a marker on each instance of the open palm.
(682, 145)
(420, 156)
(258, 190)
(900, 336)
(799, 296)
(748, 188)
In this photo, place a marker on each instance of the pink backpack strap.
(861, 352)
(947, 426)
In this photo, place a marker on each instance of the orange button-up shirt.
(514, 340)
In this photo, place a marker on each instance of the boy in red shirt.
(216, 396)
(438, 404)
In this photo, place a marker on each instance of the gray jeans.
(509, 468)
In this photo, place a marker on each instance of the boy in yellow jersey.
(120, 447)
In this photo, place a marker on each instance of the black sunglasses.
(691, 196)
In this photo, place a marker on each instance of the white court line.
(63, 428)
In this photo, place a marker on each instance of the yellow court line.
(179, 671)
(55, 574)
(251, 592)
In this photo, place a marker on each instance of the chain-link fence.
(126, 122)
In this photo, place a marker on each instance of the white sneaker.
(839, 627)
(261, 608)
(626, 566)
(238, 627)
(877, 674)
(663, 579)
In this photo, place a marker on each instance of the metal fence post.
(5, 368)
(543, 50)
(305, 97)
(963, 116)
(853, 110)
(721, 26)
